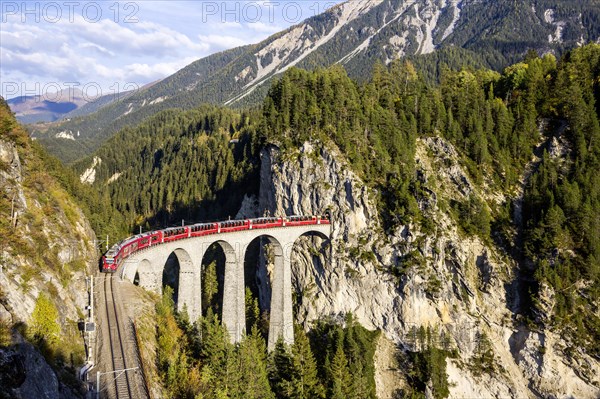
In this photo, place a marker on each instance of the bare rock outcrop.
(451, 282)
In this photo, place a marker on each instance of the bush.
(5, 333)
(44, 329)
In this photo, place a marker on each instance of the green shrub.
(44, 328)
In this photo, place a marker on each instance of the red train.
(114, 256)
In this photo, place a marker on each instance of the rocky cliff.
(460, 286)
(47, 247)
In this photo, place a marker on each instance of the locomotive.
(113, 258)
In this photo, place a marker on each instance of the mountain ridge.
(356, 35)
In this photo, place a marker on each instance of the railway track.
(120, 385)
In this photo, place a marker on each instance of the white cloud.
(147, 38)
(264, 28)
(97, 48)
(103, 53)
(222, 41)
(227, 26)
(168, 36)
(146, 72)
(19, 37)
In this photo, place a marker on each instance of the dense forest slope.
(47, 249)
(355, 34)
(465, 213)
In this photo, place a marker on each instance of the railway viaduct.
(149, 265)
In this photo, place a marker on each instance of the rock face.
(456, 284)
(69, 237)
(11, 179)
(24, 373)
(49, 248)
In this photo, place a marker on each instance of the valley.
(387, 200)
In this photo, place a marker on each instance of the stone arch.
(146, 273)
(252, 254)
(317, 233)
(143, 265)
(295, 244)
(281, 323)
(213, 252)
(233, 310)
(259, 269)
(309, 252)
(187, 281)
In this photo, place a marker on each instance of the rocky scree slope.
(47, 247)
(456, 284)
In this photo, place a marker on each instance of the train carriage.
(113, 258)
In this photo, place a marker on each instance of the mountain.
(65, 104)
(355, 34)
(465, 220)
(48, 107)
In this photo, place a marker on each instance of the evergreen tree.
(304, 383)
(252, 369)
(280, 369)
(339, 374)
(210, 287)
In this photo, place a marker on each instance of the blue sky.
(109, 46)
